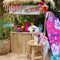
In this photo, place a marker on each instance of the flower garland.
(43, 8)
(11, 8)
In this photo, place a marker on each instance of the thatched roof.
(6, 2)
(22, 1)
(9, 1)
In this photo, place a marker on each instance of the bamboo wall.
(19, 42)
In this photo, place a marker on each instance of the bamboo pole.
(11, 31)
(45, 25)
(11, 21)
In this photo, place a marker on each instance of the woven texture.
(4, 47)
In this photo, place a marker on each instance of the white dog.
(44, 41)
(38, 35)
(33, 29)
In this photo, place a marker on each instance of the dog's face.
(33, 29)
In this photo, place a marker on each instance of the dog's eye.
(33, 28)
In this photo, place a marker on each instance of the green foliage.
(27, 3)
(4, 32)
(22, 18)
(55, 11)
(40, 20)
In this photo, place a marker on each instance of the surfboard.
(53, 31)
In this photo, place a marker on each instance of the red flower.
(42, 3)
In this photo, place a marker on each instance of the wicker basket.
(4, 46)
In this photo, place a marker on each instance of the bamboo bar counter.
(19, 42)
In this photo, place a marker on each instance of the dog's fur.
(44, 42)
(33, 29)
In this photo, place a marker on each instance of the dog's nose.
(38, 36)
(33, 30)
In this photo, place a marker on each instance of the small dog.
(33, 29)
(40, 38)
(44, 41)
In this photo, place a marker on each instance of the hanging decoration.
(31, 10)
(42, 7)
(11, 8)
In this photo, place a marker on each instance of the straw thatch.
(6, 2)
(52, 3)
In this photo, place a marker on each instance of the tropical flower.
(45, 38)
(57, 24)
(55, 49)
